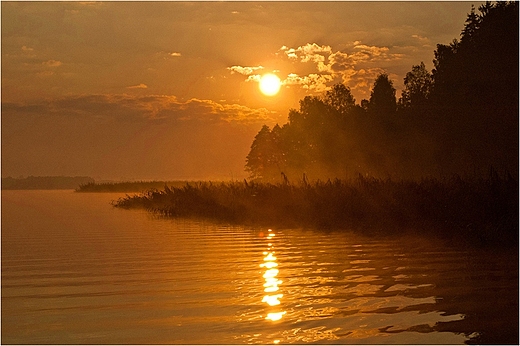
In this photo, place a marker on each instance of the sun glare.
(270, 84)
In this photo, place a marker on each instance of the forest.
(459, 118)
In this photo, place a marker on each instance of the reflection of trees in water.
(401, 289)
(474, 293)
(485, 290)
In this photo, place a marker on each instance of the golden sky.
(169, 90)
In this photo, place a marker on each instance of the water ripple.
(79, 271)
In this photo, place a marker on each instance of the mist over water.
(77, 270)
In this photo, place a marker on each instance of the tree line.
(45, 182)
(461, 117)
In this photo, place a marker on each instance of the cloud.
(424, 40)
(354, 66)
(52, 63)
(142, 108)
(254, 78)
(362, 79)
(312, 82)
(165, 55)
(45, 74)
(139, 86)
(245, 70)
(141, 137)
(196, 109)
(325, 58)
(135, 137)
(248, 71)
(373, 54)
(311, 52)
(340, 61)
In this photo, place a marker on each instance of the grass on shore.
(484, 211)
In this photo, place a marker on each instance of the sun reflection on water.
(272, 283)
(275, 316)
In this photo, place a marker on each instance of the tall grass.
(477, 210)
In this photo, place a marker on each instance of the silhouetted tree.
(471, 27)
(444, 71)
(279, 148)
(417, 87)
(340, 99)
(294, 148)
(382, 98)
(308, 123)
(262, 162)
(475, 92)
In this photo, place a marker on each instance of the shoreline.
(479, 211)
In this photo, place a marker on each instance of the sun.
(270, 84)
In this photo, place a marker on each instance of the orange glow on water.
(270, 273)
(272, 283)
(272, 300)
(275, 316)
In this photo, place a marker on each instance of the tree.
(445, 69)
(417, 87)
(475, 92)
(382, 98)
(471, 28)
(262, 160)
(340, 99)
(308, 123)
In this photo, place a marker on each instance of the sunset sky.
(169, 90)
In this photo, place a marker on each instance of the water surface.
(77, 270)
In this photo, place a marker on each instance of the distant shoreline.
(85, 184)
(129, 186)
(45, 183)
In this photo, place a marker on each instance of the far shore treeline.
(459, 118)
(44, 182)
(84, 184)
(128, 186)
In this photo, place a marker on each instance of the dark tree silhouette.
(261, 161)
(382, 98)
(475, 92)
(340, 99)
(417, 87)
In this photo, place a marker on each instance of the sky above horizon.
(169, 90)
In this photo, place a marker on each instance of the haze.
(169, 90)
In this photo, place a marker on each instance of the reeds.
(481, 210)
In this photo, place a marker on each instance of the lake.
(77, 270)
